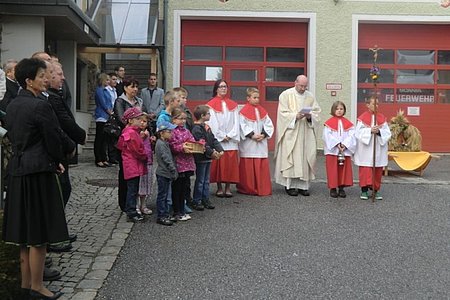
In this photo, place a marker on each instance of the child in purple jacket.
(184, 160)
(134, 158)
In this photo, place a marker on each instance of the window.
(244, 54)
(412, 57)
(207, 73)
(285, 55)
(202, 53)
(273, 92)
(444, 57)
(283, 74)
(406, 76)
(244, 75)
(384, 57)
(199, 92)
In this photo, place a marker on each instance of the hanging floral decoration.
(374, 74)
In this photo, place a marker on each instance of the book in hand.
(305, 110)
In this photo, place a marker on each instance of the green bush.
(9, 268)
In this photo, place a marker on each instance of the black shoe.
(207, 204)
(24, 293)
(342, 193)
(333, 193)
(37, 295)
(48, 262)
(135, 218)
(291, 192)
(303, 192)
(197, 206)
(72, 237)
(63, 247)
(51, 274)
(113, 162)
(164, 221)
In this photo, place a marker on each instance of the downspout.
(164, 50)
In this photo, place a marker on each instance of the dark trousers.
(161, 199)
(122, 191)
(100, 142)
(113, 152)
(132, 193)
(179, 188)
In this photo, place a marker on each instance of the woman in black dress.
(34, 213)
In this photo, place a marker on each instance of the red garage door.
(415, 76)
(266, 55)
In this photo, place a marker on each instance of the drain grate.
(103, 182)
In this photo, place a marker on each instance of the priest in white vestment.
(295, 148)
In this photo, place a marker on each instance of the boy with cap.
(134, 158)
(166, 171)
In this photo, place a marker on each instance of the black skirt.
(34, 211)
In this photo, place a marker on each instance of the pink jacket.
(184, 161)
(134, 157)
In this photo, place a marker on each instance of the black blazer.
(65, 117)
(34, 134)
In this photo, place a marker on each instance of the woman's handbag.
(112, 126)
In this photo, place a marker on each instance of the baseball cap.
(165, 126)
(131, 113)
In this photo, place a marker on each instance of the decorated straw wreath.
(405, 137)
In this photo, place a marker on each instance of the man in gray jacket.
(153, 97)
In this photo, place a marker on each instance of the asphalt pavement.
(279, 247)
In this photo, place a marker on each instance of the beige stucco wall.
(18, 32)
(334, 34)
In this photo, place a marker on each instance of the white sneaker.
(146, 211)
(188, 216)
(182, 218)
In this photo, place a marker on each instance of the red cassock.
(254, 177)
(226, 168)
(366, 174)
(338, 175)
(254, 172)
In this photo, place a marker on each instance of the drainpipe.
(164, 66)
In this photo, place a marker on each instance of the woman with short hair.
(34, 212)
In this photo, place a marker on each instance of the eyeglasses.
(222, 86)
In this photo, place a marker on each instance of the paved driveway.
(283, 247)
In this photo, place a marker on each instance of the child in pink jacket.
(134, 158)
(184, 161)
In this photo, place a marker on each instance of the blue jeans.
(201, 186)
(161, 199)
(132, 193)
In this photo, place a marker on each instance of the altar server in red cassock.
(255, 127)
(366, 129)
(339, 145)
(224, 124)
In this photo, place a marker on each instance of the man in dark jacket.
(12, 87)
(66, 121)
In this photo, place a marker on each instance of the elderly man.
(295, 149)
(12, 87)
